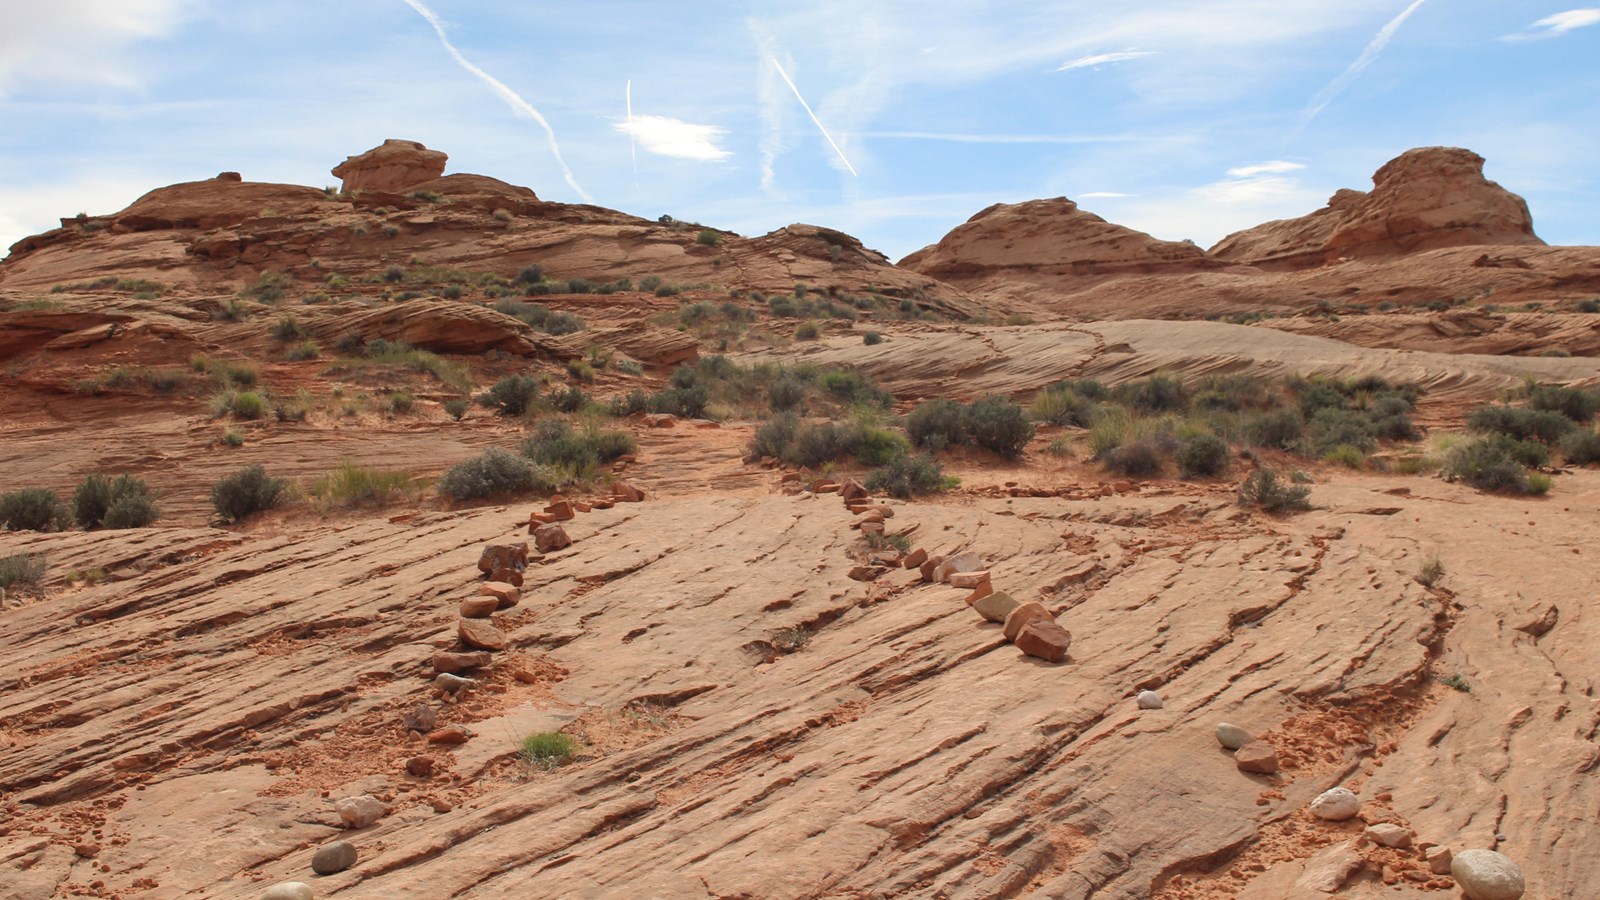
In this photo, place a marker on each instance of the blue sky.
(1184, 118)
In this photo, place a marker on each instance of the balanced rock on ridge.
(394, 166)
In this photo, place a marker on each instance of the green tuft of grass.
(547, 749)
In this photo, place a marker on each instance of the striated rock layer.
(1424, 199)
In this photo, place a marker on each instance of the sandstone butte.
(187, 702)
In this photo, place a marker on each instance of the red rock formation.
(1424, 199)
(395, 166)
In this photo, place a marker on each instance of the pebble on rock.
(444, 681)
(289, 890)
(1149, 700)
(1232, 736)
(1487, 875)
(419, 718)
(1336, 805)
(420, 766)
(1438, 860)
(1388, 834)
(333, 858)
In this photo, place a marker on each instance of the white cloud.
(27, 209)
(1100, 59)
(1558, 24)
(80, 41)
(1004, 138)
(1104, 194)
(1270, 167)
(666, 136)
(1368, 56)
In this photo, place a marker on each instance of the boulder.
(969, 580)
(867, 573)
(624, 492)
(1329, 869)
(560, 507)
(333, 858)
(481, 633)
(852, 490)
(996, 606)
(1487, 875)
(961, 562)
(505, 595)
(1258, 757)
(509, 576)
(1336, 805)
(660, 420)
(420, 766)
(504, 556)
(930, 566)
(916, 558)
(984, 589)
(1438, 859)
(1045, 639)
(359, 811)
(449, 683)
(1388, 834)
(289, 890)
(1232, 736)
(1150, 700)
(1031, 611)
(479, 607)
(550, 538)
(450, 735)
(419, 717)
(393, 167)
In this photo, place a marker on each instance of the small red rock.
(1032, 611)
(560, 508)
(550, 538)
(482, 634)
(479, 607)
(420, 766)
(1045, 639)
(968, 579)
(626, 493)
(506, 595)
(917, 558)
(1259, 757)
(450, 734)
(460, 662)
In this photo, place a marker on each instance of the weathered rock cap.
(393, 166)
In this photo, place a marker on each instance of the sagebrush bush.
(456, 407)
(937, 424)
(1330, 428)
(1061, 405)
(878, 446)
(1156, 394)
(786, 393)
(98, 494)
(1279, 429)
(24, 569)
(247, 491)
(776, 436)
(33, 509)
(1139, 459)
(1202, 456)
(997, 424)
(1488, 465)
(1543, 425)
(871, 338)
(1576, 404)
(820, 442)
(688, 403)
(1263, 490)
(511, 395)
(1581, 448)
(806, 331)
(495, 473)
(907, 476)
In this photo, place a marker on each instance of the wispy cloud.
(49, 42)
(1004, 138)
(1557, 25)
(666, 136)
(1100, 59)
(511, 98)
(1368, 57)
(1270, 167)
(1106, 195)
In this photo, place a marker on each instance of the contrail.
(774, 60)
(633, 146)
(1367, 57)
(511, 97)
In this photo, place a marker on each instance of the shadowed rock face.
(395, 166)
(1424, 199)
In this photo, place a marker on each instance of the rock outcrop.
(396, 165)
(1424, 199)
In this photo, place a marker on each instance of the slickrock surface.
(229, 680)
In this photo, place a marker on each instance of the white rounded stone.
(1149, 700)
(1232, 736)
(1487, 875)
(1336, 805)
(289, 890)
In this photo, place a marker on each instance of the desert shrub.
(776, 436)
(997, 424)
(303, 351)
(452, 292)
(1543, 425)
(1580, 448)
(33, 509)
(241, 404)
(1589, 306)
(818, 443)
(1263, 490)
(245, 492)
(562, 323)
(1156, 394)
(394, 274)
(570, 399)
(494, 473)
(907, 476)
(1390, 415)
(708, 238)
(547, 749)
(937, 424)
(1488, 465)
(1574, 403)
(1332, 427)
(131, 511)
(786, 393)
(456, 407)
(287, 329)
(1230, 393)
(400, 402)
(1279, 429)
(877, 446)
(353, 485)
(635, 401)
(871, 338)
(1061, 405)
(1202, 456)
(850, 386)
(1139, 459)
(556, 444)
(689, 403)
(98, 494)
(529, 275)
(806, 331)
(1109, 427)
(24, 569)
(1346, 455)
(511, 395)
